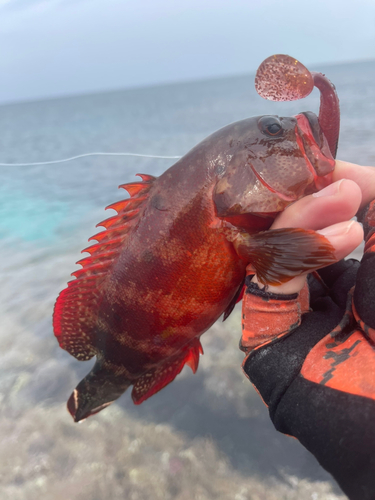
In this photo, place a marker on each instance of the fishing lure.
(174, 258)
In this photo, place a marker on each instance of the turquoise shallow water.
(29, 217)
(47, 213)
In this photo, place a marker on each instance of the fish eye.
(270, 125)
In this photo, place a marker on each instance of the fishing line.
(83, 156)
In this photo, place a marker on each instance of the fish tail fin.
(95, 392)
(278, 255)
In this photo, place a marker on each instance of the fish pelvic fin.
(95, 392)
(163, 374)
(278, 255)
(237, 298)
(75, 313)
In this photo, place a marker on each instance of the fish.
(174, 257)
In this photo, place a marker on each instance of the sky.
(54, 48)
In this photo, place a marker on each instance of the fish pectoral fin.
(95, 392)
(156, 379)
(278, 255)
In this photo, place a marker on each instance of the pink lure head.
(283, 78)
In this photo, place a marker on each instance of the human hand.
(316, 371)
(329, 212)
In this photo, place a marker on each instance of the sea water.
(204, 436)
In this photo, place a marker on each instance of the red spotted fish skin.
(167, 266)
(176, 276)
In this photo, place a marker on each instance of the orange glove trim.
(265, 319)
(347, 366)
(345, 362)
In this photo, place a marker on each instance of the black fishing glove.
(316, 370)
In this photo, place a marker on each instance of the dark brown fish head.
(272, 162)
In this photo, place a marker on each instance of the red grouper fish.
(174, 257)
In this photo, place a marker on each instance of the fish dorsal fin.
(153, 381)
(75, 313)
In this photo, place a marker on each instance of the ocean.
(206, 436)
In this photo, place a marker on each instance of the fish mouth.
(315, 149)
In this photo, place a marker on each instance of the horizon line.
(58, 97)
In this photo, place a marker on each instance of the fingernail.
(337, 229)
(329, 190)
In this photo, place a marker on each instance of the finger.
(338, 202)
(344, 237)
(363, 176)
